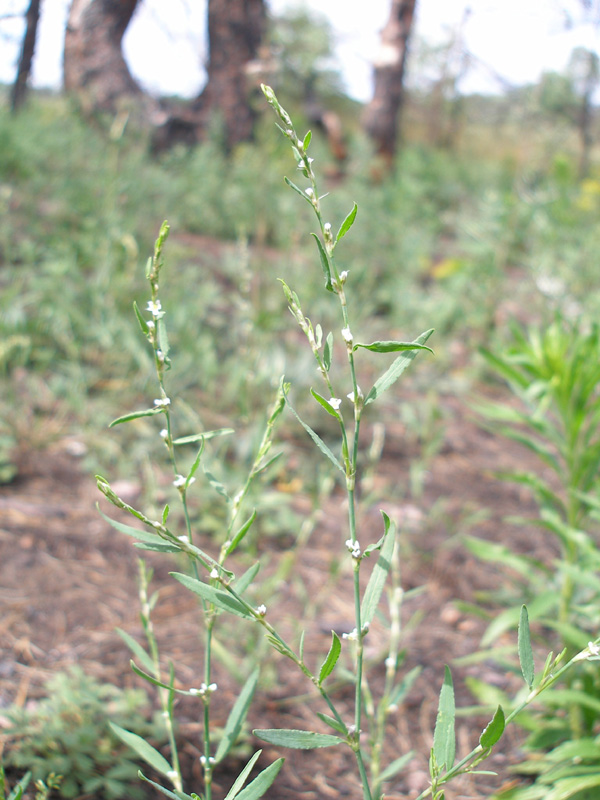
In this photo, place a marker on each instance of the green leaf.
(140, 319)
(400, 691)
(524, 647)
(220, 599)
(149, 412)
(236, 718)
(395, 767)
(157, 547)
(297, 740)
(262, 782)
(493, 730)
(241, 778)
(444, 739)
(328, 351)
(347, 223)
(325, 266)
(217, 485)
(396, 370)
(299, 191)
(316, 438)
(154, 681)
(143, 749)
(572, 787)
(307, 139)
(18, 789)
(137, 650)
(326, 404)
(332, 657)
(379, 574)
(197, 437)
(166, 792)
(391, 347)
(243, 582)
(333, 723)
(129, 530)
(241, 533)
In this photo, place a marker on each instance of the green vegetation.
(463, 239)
(67, 734)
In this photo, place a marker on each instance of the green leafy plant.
(221, 591)
(555, 374)
(67, 734)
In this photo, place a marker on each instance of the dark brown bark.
(19, 88)
(235, 31)
(95, 71)
(381, 118)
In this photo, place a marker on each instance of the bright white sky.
(516, 39)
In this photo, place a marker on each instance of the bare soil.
(67, 580)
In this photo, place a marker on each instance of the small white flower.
(214, 573)
(390, 662)
(353, 548)
(150, 325)
(183, 539)
(211, 760)
(164, 434)
(172, 775)
(300, 144)
(160, 355)
(347, 334)
(310, 192)
(594, 649)
(261, 610)
(327, 229)
(343, 276)
(350, 395)
(335, 402)
(195, 691)
(154, 307)
(179, 481)
(162, 402)
(352, 636)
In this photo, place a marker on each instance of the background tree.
(95, 71)
(381, 117)
(19, 88)
(97, 74)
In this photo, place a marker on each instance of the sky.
(513, 39)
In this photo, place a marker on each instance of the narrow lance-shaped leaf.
(297, 189)
(493, 730)
(140, 319)
(396, 766)
(137, 650)
(241, 533)
(307, 139)
(524, 647)
(242, 777)
(129, 530)
(328, 351)
(297, 740)
(395, 371)
(167, 792)
(236, 718)
(325, 403)
(444, 739)
(262, 782)
(148, 412)
(333, 723)
(379, 574)
(316, 438)
(163, 339)
(326, 267)
(332, 656)
(347, 223)
(143, 749)
(196, 437)
(222, 600)
(247, 578)
(391, 346)
(195, 465)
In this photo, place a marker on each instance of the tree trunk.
(381, 118)
(95, 71)
(235, 31)
(19, 88)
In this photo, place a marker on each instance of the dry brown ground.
(67, 580)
